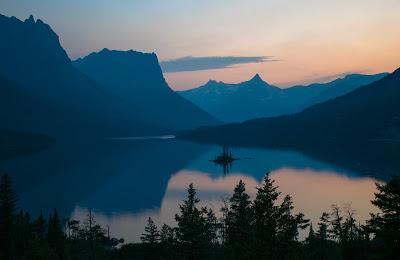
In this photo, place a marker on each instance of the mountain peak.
(30, 19)
(31, 46)
(256, 78)
(211, 82)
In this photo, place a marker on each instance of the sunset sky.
(286, 41)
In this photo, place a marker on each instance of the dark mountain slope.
(22, 109)
(256, 98)
(369, 113)
(33, 59)
(137, 78)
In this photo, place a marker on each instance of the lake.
(126, 180)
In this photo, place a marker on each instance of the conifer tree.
(288, 228)
(55, 235)
(211, 225)
(73, 229)
(322, 237)
(22, 234)
(266, 214)
(8, 206)
(323, 227)
(386, 224)
(40, 227)
(311, 243)
(239, 223)
(167, 235)
(151, 234)
(311, 234)
(337, 231)
(192, 232)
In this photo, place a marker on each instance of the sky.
(287, 42)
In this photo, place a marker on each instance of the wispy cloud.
(320, 78)
(327, 78)
(207, 63)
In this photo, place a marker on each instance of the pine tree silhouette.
(386, 224)
(239, 223)
(151, 234)
(8, 206)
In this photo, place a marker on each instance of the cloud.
(207, 63)
(320, 78)
(328, 78)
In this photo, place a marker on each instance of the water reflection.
(117, 176)
(126, 181)
(313, 192)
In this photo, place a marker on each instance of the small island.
(225, 159)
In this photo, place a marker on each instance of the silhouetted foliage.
(225, 159)
(239, 223)
(167, 235)
(195, 231)
(55, 235)
(265, 228)
(386, 224)
(151, 234)
(8, 201)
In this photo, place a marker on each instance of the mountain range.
(123, 93)
(43, 92)
(256, 98)
(369, 113)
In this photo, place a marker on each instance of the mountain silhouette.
(50, 88)
(137, 78)
(369, 113)
(256, 98)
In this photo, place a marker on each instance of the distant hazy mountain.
(137, 78)
(40, 83)
(256, 98)
(371, 112)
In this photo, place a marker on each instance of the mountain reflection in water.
(127, 181)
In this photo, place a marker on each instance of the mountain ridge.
(256, 98)
(369, 113)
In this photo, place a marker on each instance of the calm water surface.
(127, 180)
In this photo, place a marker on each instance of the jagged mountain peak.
(30, 19)
(256, 78)
(213, 82)
(256, 98)
(29, 46)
